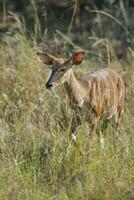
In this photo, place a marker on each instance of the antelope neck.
(74, 87)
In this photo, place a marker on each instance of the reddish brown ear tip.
(82, 52)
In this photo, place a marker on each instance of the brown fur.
(100, 94)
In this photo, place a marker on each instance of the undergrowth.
(37, 158)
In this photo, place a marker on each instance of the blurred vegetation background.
(37, 158)
(84, 21)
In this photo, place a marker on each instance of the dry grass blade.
(111, 17)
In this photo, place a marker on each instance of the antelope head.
(59, 67)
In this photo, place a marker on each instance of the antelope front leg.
(101, 139)
(93, 127)
(94, 131)
(76, 123)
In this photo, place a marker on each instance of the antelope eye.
(62, 70)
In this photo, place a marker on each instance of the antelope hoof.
(102, 143)
(74, 138)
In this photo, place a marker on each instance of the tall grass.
(37, 159)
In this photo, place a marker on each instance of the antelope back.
(106, 91)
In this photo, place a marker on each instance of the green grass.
(37, 159)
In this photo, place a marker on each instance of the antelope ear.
(46, 58)
(78, 57)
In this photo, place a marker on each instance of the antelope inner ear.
(46, 58)
(78, 57)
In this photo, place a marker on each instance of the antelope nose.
(48, 85)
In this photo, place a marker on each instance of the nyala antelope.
(100, 92)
